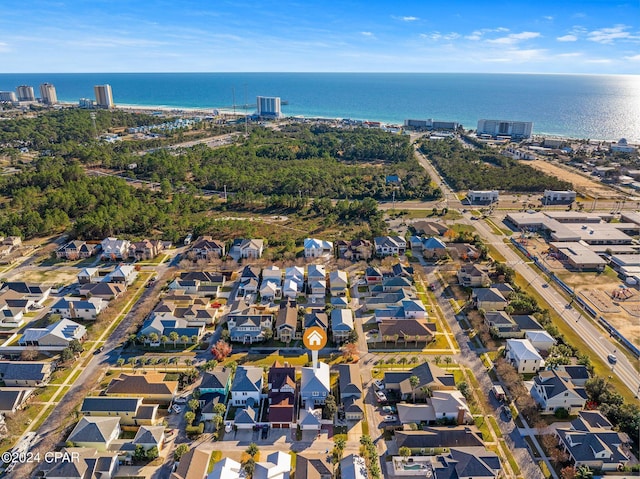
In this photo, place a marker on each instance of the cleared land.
(580, 183)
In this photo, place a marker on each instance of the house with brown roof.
(145, 249)
(312, 467)
(193, 465)
(282, 396)
(287, 322)
(356, 250)
(428, 375)
(105, 291)
(150, 386)
(408, 330)
(206, 247)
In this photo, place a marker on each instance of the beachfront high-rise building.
(104, 98)
(26, 93)
(514, 129)
(269, 106)
(48, 94)
(8, 96)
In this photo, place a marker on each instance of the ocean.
(602, 107)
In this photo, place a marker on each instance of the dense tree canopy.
(466, 168)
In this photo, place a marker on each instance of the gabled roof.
(458, 436)
(373, 271)
(64, 329)
(315, 379)
(12, 398)
(313, 467)
(316, 318)
(250, 272)
(556, 383)
(280, 376)
(193, 465)
(353, 467)
(316, 271)
(149, 435)
(313, 243)
(467, 462)
(523, 349)
(248, 379)
(246, 415)
(25, 370)
(110, 404)
(342, 320)
(349, 379)
(433, 243)
(144, 384)
(94, 429)
(488, 294)
(218, 378)
(310, 417)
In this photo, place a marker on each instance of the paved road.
(597, 338)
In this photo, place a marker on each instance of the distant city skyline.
(570, 36)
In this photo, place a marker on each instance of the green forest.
(300, 160)
(482, 169)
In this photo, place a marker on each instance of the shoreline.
(240, 113)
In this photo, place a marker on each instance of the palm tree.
(437, 359)
(448, 360)
(173, 336)
(188, 362)
(184, 339)
(132, 361)
(584, 472)
(164, 340)
(194, 338)
(253, 450)
(427, 392)
(414, 381)
(405, 452)
(153, 337)
(120, 363)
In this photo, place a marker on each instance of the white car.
(180, 400)
(177, 409)
(390, 418)
(378, 384)
(381, 396)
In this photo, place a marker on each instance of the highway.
(594, 336)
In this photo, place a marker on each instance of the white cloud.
(477, 34)
(569, 55)
(513, 38)
(366, 34)
(599, 60)
(610, 35)
(567, 38)
(634, 58)
(439, 36)
(548, 17)
(409, 19)
(4, 47)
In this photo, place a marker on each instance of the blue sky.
(538, 36)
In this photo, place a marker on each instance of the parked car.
(180, 400)
(390, 418)
(381, 396)
(612, 358)
(379, 384)
(507, 412)
(389, 409)
(99, 350)
(177, 409)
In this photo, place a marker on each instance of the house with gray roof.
(72, 308)
(317, 248)
(389, 245)
(247, 248)
(341, 324)
(591, 441)
(247, 384)
(313, 467)
(433, 248)
(216, 381)
(131, 410)
(76, 249)
(199, 283)
(350, 384)
(472, 276)
(114, 249)
(247, 324)
(316, 317)
(247, 416)
(206, 247)
(13, 399)
(553, 389)
(445, 436)
(489, 299)
(105, 291)
(149, 437)
(90, 463)
(95, 432)
(277, 466)
(523, 356)
(428, 374)
(57, 335)
(467, 462)
(315, 385)
(26, 373)
(353, 467)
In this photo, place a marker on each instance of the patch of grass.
(215, 457)
(46, 393)
(496, 428)
(484, 428)
(544, 469)
(61, 376)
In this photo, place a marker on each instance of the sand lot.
(581, 184)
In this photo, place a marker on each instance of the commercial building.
(514, 129)
(269, 106)
(578, 255)
(556, 196)
(482, 196)
(8, 96)
(48, 94)
(431, 124)
(26, 93)
(104, 97)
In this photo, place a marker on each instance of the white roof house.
(541, 340)
(316, 248)
(523, 356)
(58, 334)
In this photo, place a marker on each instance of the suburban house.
(193, 465)
(340, 302)
(286, 327)
(216, 381)
(443, 406)
(523, 356)
(316, 280)
(247, 416)
(350, 384)
(310, 419)
(472, 276)
(373, 275)
(439, 436)
(13, 399)
(130, 410)
(313, 467)
(247, 385)
(272, 272)
(400, 269)
(282, 396)
(270, 289)
(226, 468)
(592, 442)
(148, 437)
(316, 248)
(104, 291)
(76, 249)
(89, 463)
(315, 385)
(26, 373)
(89, 275)
(205, 247)
(338, 283)
(151, 386)
(505, 326)
(429, 375)
(96, 432)
(393, 285)
(407, 330)
(541, 340)
(356, 250)
(389, 300)
(145, 249)
(32, 292)
(463, 251)
(389, 245)
(57, 335)
(489, 299)
(155, 327)
(71, 308)
(124, 273)
(429, 228)
(293, 282)
(114, 249)
(433, 248)
(199, 283)
(248, 324)
(409, 309)
(466, 463)
(247, 248)
(277, 466)
(316, 317)
(353, 467)
(341, 324)
(554, 389)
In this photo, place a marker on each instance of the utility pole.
(225, 192)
